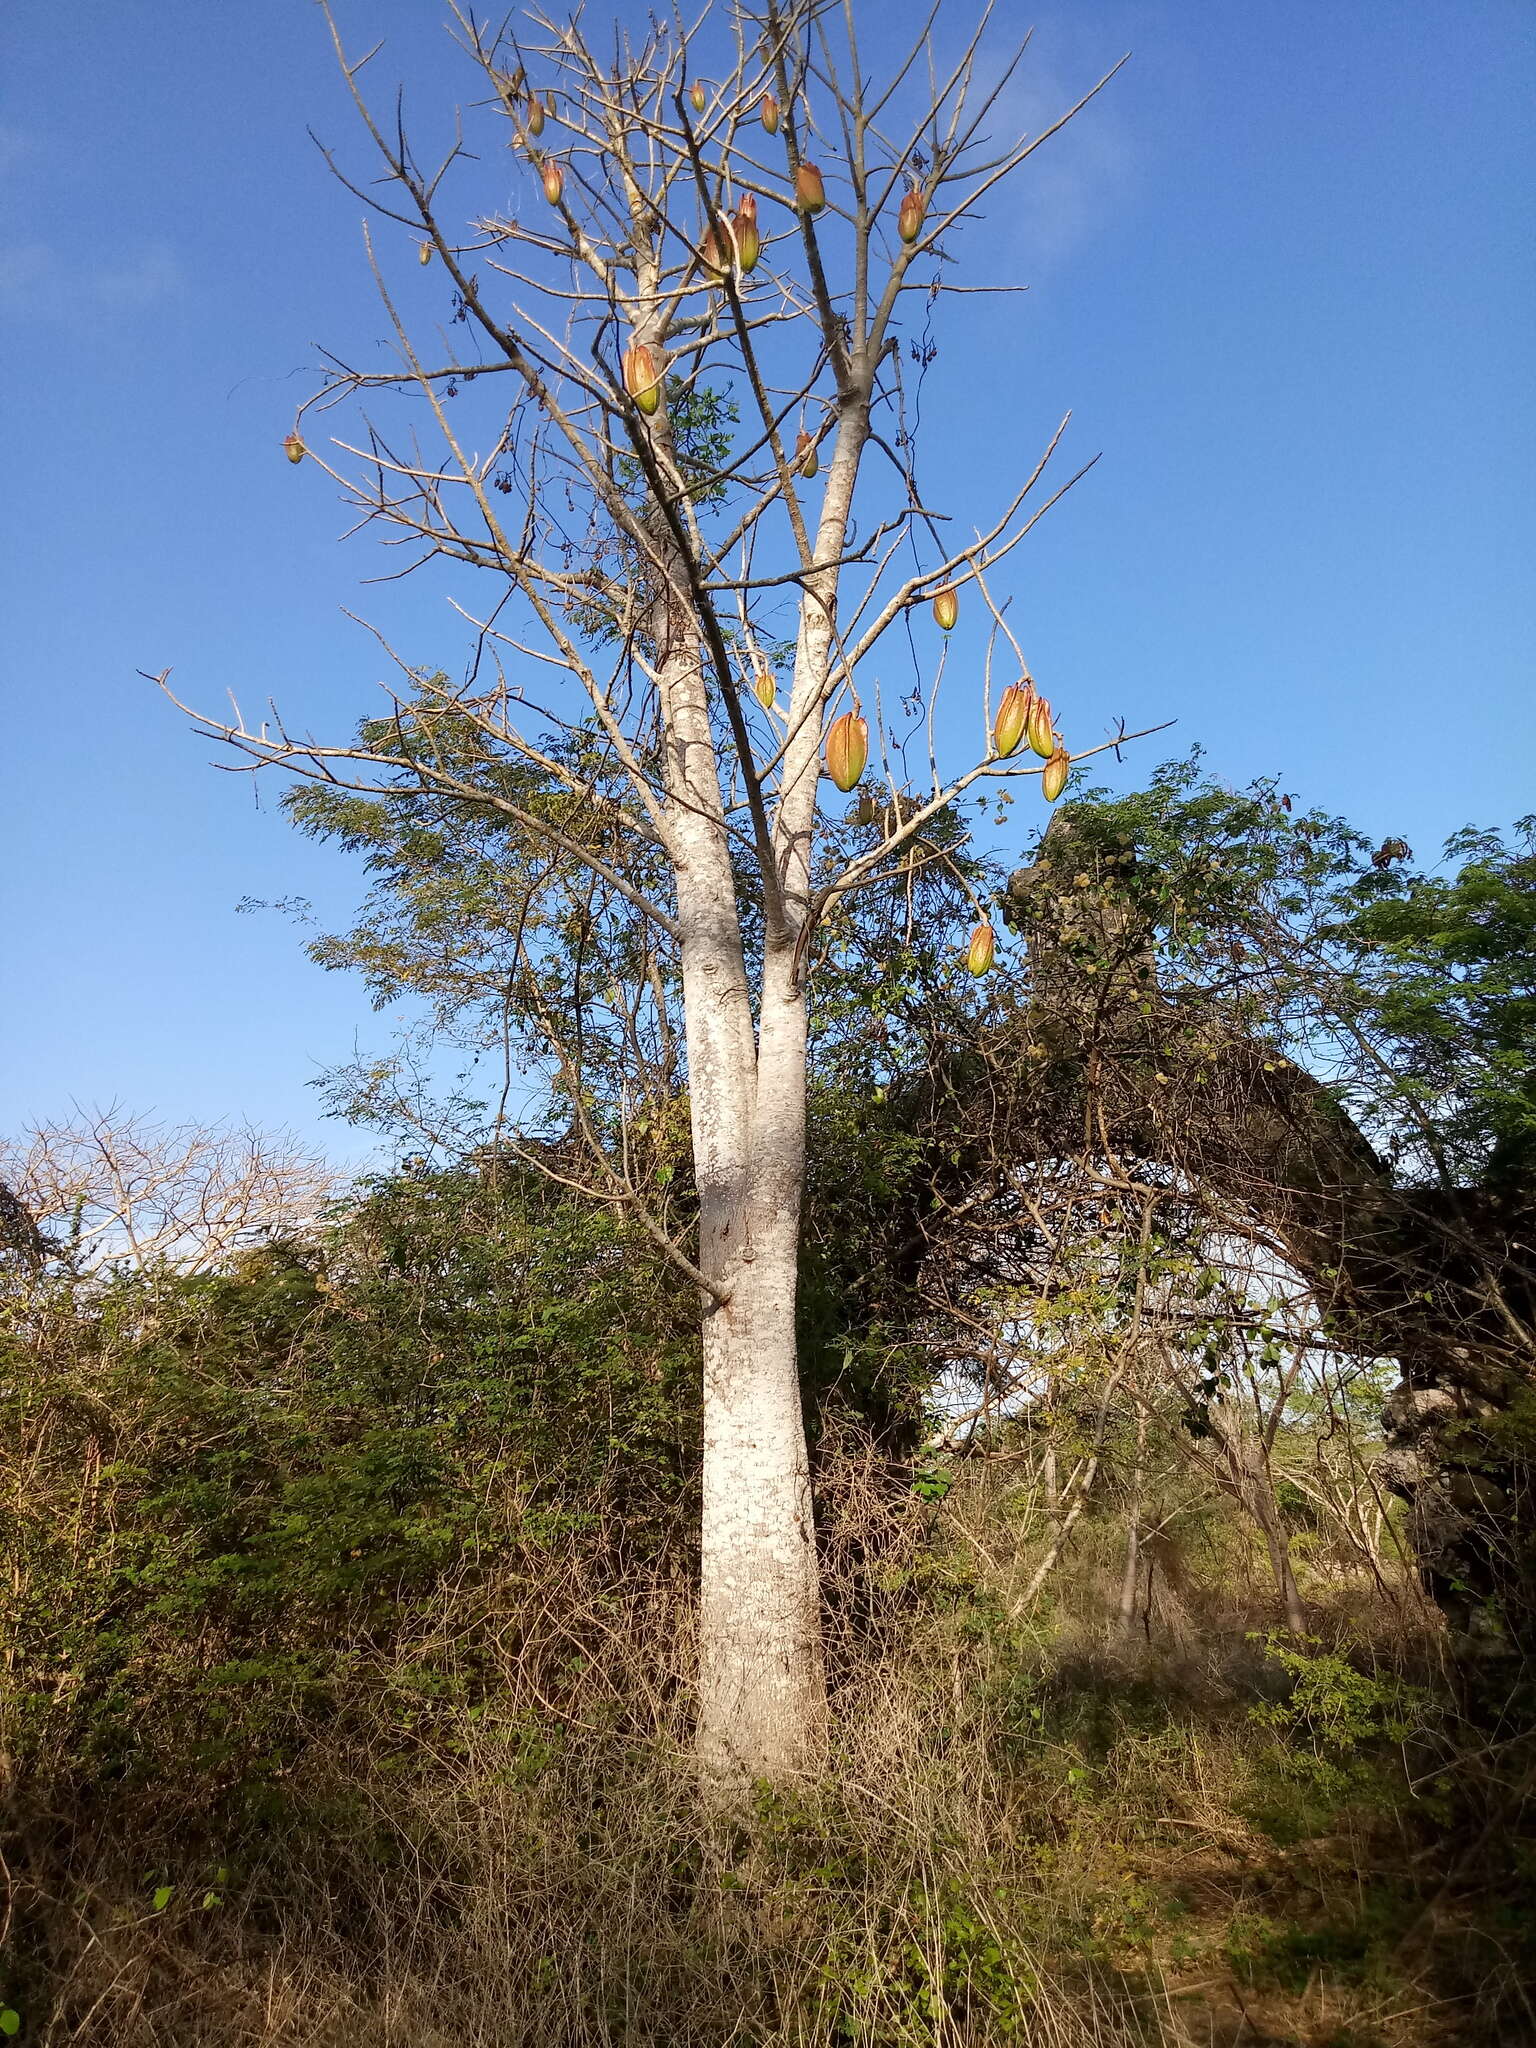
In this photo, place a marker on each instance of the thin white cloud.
(37, 279)
(152, 274)
(1076, 182)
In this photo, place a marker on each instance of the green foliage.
(240, 1483)
(701, 419)
(1020, 1830)
(490, 934)
(1335, 1718)
(1356, 1947)
(1414, 993)
(1451, 964)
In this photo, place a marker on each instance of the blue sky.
(1280, 272)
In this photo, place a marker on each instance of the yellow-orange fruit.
(983, 945)
(294, 448)
(810, 190)
(534, 118)
(554, 180)
(1012, 719)
(696, 97)
(909, 221)
(765, 687)
(1053, 776)
(770, 113)
(749, 243)
(807, 461)
(946, 607)
(640, 378)
(1041, 736)
(847, 749)
(424, 253)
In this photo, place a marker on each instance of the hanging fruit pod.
(1042, 737)
(909, 221)
(293, 447)
(533, 118)
(769, 111)
(696, 96)
(749, 243)
(810, 190)
(807, 461)
(424, 253)
(983, 946)
(764, 688)
(866, 810)
(1053, 776)
(641, 379)
(553, 175)
(946, 607)
(847, 749)
(1012, 720)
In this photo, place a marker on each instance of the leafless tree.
(104, 1189)
(680, 628)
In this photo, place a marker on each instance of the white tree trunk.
(761, 1690)
(762, 1687)
(762, 1695)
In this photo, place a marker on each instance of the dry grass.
(1032, 1833)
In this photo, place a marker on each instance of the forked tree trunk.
(761, 1702)
(1253, 1484)
(762, 1687)
(762, 1693)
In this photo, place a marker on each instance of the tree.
(1334, 1054)
(717, 228)
(103, 1190)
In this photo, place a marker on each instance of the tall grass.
(1033, 1828)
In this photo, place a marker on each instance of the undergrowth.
(343, 1699)
(1030, 1830)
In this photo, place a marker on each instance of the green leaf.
(163, 1896)
(10, 2020)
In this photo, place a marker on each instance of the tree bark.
(1253, 1484)
(761, 1689)
(1131, 1576)
(762, 1686)
(762, 1696)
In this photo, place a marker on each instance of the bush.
(238, 1484)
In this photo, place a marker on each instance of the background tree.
(1313, 1064)
(668, 367)
(103, 1189)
